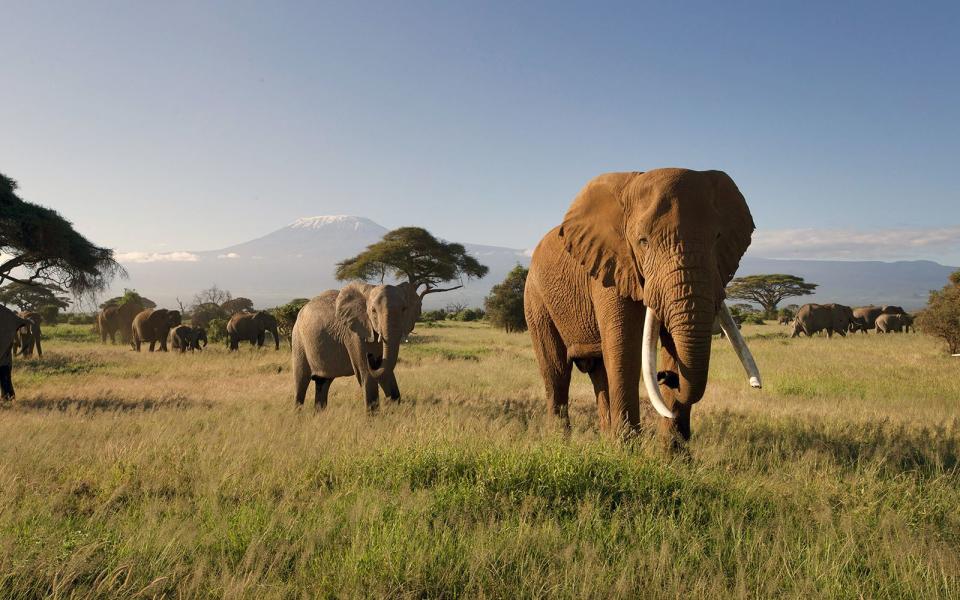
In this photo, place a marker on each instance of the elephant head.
(199, 334)
(174, 318)
(268, 322)
(672, 239)
(380, 317)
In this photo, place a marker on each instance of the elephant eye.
(642, 241)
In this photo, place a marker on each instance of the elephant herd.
(837, 318)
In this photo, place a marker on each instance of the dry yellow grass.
(129, 475)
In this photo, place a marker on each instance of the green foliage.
(432, 316)
(786, 313)
(216, 330)
(33, 296)
(466, 315)
(81, 318)
(239, 304)
(504, 304)
(202, 314)
(50, 313)
(941, 317)
(412, 253)
(286, 315)
(47, 248)
(129, 296)
(769, 290)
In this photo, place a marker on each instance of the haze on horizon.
(194, 126)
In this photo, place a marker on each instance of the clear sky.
(190, 126)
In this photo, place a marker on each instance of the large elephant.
(10, 325)
(252, 327)
(813, 318)
(893, 323)
(114, 320)
(636, 250)
(865, 317)
(153, 325)
(184, 337)
(28, 337)
(354, 331)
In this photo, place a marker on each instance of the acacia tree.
(33, 297)
(504, 304)
(40, 246)
(238, 304)
(941, 317)
(412, 253)
(769, 290)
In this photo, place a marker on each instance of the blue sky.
(190, 126)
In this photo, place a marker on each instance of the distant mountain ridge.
(299, 260)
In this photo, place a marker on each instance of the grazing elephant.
(636, 250)
(117, 319)
(785, 320)
(252, 327)
(29, 337)
(10, 325)
(354, 331)
(153, 325)
(894, 323)
(865, 317)
(832, 318)
(183, 338)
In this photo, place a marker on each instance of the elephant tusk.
(739, 346)
(648, 360)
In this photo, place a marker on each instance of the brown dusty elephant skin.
(153, 325)
(115, 320)
(893, 323)
(667, 241)
(252, 327)
(813, 318)
(355, 331)
(10, 324)
(29, 337)
(184, 338)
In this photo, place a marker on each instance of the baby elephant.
(894, 323)
(183, 338)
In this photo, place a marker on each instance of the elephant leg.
(371, 394)
(301, 376)
(674, 432)
(390, 388)
(598, 376)
(152, 345)
(620, 344)
(6, 383)
(551, 354)
(321, 388)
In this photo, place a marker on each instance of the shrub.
(941, 317)
(217, 330)
(50, 313)
(432, 316)
(504, 304)
(286, 315)
(202, 314)
(467, 314)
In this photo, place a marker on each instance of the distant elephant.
(832, 318)
(115, 320)
(718, 326)
(865, 317)
(183, 338)
(634, 251)
(893, 323)
(10, 324)
(29, 337)
(252, 327)
(785, 320)
(353, 331)
(153, 325)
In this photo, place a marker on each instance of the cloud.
(229, 255)
(152, 257)
(940, 244)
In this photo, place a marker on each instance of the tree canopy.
(769, 290)
(43, 247)
(33, 297)
(412, 253)
(128, 297)
(504, 304)
(238, 304)
(941, 317)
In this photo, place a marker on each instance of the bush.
(941, 317)
(504, 304)
(432, 316)
(81, 319)
(467, 314)
(50, 313)
(217, 330)
(202, 314)
(286, 315)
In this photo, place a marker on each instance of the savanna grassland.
(139, 475)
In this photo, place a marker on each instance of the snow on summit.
(341, 222)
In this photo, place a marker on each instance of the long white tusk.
(648, 360)
(739, 346)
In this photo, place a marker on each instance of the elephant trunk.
(691, 333)
(391, 350)
(276, 337)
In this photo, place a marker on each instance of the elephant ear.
(351, 308)
(594, 233)
(736, 225)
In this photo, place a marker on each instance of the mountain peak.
(341, 222)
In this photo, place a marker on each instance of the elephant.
(10, 325)
(832, 318)
(252, 327)
(184, 337)
(117, 319)
(893, 323)
(865, 317)
(785, 320)
(153, 325)
(718, 326)
(636, 251)
(29, 337)
(353, 331)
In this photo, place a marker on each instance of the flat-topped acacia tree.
(412, 253)
(769, 290)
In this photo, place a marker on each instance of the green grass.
(127, 475)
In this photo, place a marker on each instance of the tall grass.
(139, 475)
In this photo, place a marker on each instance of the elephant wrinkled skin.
(894, 323)
(636, 249)
(153, 325)
(252, 327)
(354, 331)
(865, 317)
